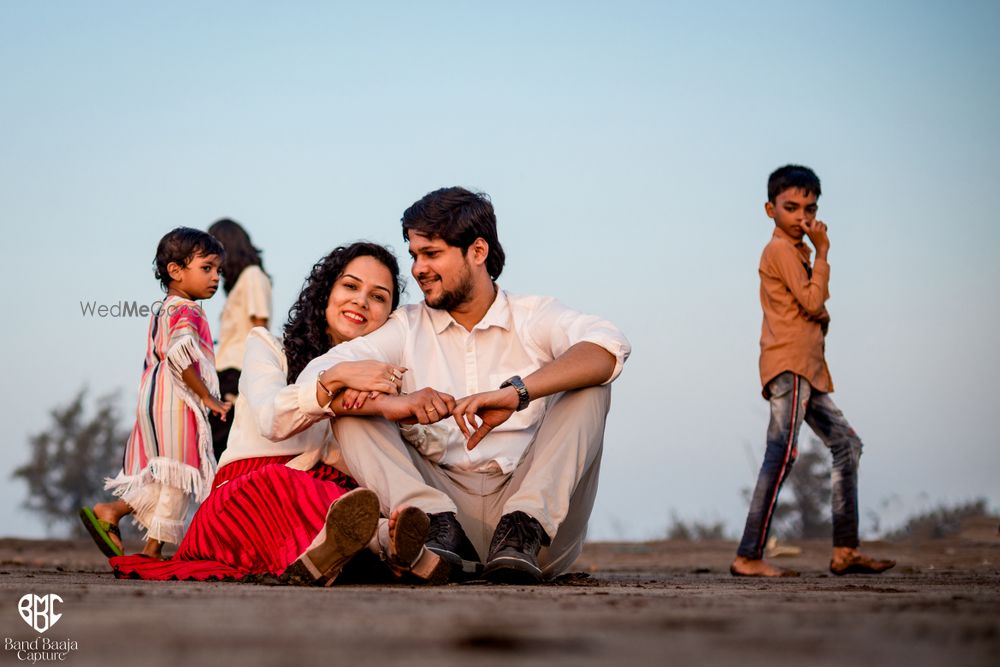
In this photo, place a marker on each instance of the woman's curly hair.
(305, 334)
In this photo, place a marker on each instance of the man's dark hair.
(792, 176)
(457, 217)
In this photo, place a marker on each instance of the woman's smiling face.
(360, 301)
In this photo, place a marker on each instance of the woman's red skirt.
(260, 516)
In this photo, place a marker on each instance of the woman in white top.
(278, 506)
(248, 305)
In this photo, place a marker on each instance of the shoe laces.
(443, 529)
(518, 531)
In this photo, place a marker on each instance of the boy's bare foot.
(847, 560)
(758, 567)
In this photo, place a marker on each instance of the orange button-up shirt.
(793, 295)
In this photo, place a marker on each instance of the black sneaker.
(514, 550)
(447, 539)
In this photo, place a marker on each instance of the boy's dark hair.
(240, 251)
(307, 332)
(457, 217)
(792, 176)
(180, 245)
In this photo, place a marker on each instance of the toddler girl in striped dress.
(168, 459)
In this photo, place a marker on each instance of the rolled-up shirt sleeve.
(554, 328)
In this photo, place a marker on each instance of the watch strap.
(522, 392)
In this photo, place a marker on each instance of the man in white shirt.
(510, 470)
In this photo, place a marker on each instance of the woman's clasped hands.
(358, 381)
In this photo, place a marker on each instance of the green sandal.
(99, 530)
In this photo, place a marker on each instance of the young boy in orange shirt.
(796, 380)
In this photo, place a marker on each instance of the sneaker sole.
(350, 524)
(511, 570)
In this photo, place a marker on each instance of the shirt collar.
(498, 315)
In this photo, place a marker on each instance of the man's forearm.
(582, 365)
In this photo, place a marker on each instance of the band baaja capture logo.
(39, 612)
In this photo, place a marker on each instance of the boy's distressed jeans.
(792, 401)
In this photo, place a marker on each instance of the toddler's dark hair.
(180, 245)
(792, 176)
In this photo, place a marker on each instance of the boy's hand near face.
(816, 231)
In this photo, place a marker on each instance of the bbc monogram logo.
(39, 611)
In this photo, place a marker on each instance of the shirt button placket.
(471, 374)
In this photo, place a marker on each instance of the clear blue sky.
(626, 147)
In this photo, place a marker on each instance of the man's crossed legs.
(530, 523)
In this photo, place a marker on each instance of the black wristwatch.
(522, 392)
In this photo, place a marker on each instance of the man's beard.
(452, 299)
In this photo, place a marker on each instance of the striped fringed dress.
(168, 460)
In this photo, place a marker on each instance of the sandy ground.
(657, 603)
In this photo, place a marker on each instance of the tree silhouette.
(70, 460)
(941, 521)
